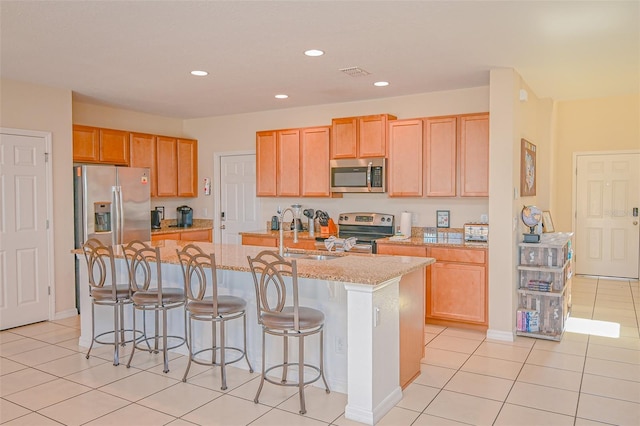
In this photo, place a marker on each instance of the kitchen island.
(373, 305)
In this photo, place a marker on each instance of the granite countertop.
(435, 242)
(167, 226)
(368, 269)
(302, 235)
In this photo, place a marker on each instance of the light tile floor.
(586, 379)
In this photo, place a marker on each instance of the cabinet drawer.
(248, 240)
(169, 236)
(201, 235)
(459, 255)
(402, 250)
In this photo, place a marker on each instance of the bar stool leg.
(246, 357)
(322, 361)
(263, 369)
(285, 364)
(164, 341)
(116, 332)
(189, 337)
(303, 409)
(222, 361)
(144, 335)
(93, 328)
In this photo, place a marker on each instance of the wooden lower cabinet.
(456, 285)
(203, 235)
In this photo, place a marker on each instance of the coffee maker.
(156, 217)
(184, 216)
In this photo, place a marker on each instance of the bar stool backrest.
(101, 268)
(195, 263)
(142, 275)
(268, 269)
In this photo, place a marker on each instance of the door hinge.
(47, 223)
(49, 290)
(46, 157)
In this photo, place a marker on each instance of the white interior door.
(607, 232)
(239, 206)
(24, 244)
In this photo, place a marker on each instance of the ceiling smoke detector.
(355, 71)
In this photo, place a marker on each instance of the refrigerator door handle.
(117, 221)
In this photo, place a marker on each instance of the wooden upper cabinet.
(96, 145)
(405, 159)
(372, 135)
(314, 159)
(266, 164)
(360, 137)
(288, 176)
(167, 163)
(187, 155)
(143, 154)
(474, 155)
(114, 146)
(345, 137)
(440, 141)
(86, 144)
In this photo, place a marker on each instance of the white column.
(373, 347)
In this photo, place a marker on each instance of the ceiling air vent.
(354, 71)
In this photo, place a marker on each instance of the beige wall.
(31, 107)
(114, 118)
(511, 120)
(606, 124)
(237, 133)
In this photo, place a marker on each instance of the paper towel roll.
(405, 224)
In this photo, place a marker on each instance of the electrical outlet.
(205, 212)
(339, 345)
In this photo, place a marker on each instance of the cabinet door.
(474, 155)
(314, 158)
(289, 163)
(372, 136)
(86, 144)
(114, 146)
(405, 158)
(345, 137)
(266, 164)
(440, 156)
(187, 156)
(457, 292)
(167, 163)
(143, 154)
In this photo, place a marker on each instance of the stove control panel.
(370, 219)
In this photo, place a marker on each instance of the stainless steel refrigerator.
(112, 204)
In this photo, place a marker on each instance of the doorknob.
(223, 227)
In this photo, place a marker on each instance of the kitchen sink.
(295, 255)
(307, 256)
(320, 257)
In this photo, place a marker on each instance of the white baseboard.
(373, 417)
(65, 314)
(505, 336)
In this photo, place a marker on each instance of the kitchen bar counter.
(373, 306)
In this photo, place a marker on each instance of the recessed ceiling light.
(381, 83)
(313, 52)
(199, 73)
(282, 96)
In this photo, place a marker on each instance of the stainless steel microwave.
(358, 175)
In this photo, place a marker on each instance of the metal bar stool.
(145, 277)
(105, 291)
(279, 319)
(203, 305)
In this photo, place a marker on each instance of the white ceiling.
(138, 54)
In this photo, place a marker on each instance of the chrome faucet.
(295, 228)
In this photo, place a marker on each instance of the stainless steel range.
(366, 228)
